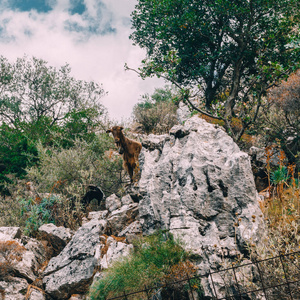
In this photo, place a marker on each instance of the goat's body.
(129, 149)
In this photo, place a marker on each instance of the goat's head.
(117, 134)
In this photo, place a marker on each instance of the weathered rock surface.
(7, 233)
(36, 294)
(116, 250)
(131, 231)
(183, 113)
(98, 215)
(20, 258)
(126, 200)
(72, 270)
(58, 237)
(112, 203)
(121, 218)
(198, 184)
(14, 289)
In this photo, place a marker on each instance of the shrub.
(77, 167)
(58, 183)
(153, 261)
(17, 151)
(282, 117)
(157, 114)
(10, 213)
(37, 212)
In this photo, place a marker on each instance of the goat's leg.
(130, 171)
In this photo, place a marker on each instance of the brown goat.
(128, 148)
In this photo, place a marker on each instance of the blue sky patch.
(77, 7)
(98, 24)
(41, 6)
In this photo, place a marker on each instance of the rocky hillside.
(195, 182)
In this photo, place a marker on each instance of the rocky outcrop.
(90, 249)
(57, 237)
(197, 183)
(183, 113)
(20, 259)
(116, 250)
(121, 218)
(73, 269)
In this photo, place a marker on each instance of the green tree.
(227, 53)
(31, 90)
(39, 103)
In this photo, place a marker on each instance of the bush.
(282, 117)
(17, 151)
(37, 212)
(58, 183)
(77, 167)
(156, 114)
(154, 259)
(40, 104)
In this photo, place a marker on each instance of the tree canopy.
(226, 53)
(30, 90)
(42, 104)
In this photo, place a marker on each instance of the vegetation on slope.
(156, 260)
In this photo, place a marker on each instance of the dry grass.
(10, 253)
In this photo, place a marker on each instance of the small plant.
(38, 212)
(279, 178)
(154, 260)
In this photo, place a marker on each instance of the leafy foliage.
(282, 117)
(38, 212)
(153, 259)
(230, 52)
(17, 150)
(31, 90)
(77, 167)
(40, 104)
(280, 175)
(157, 114)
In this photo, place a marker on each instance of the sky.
(92, 36)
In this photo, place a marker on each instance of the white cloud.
(92, 57)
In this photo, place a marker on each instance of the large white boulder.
(197, 183)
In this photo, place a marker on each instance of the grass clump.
(151, 263)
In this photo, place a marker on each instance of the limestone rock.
(58, 237)
(97, 215)
(120, 218)
(133, 228)
(26, 257)
(72, 270)
(115, 251)
(183, 113)
(36, 294)
(131, 231)
(198, 184)
(14, 289)
(10, 232)
(112, 203)
(126, 200)
(74, 277)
